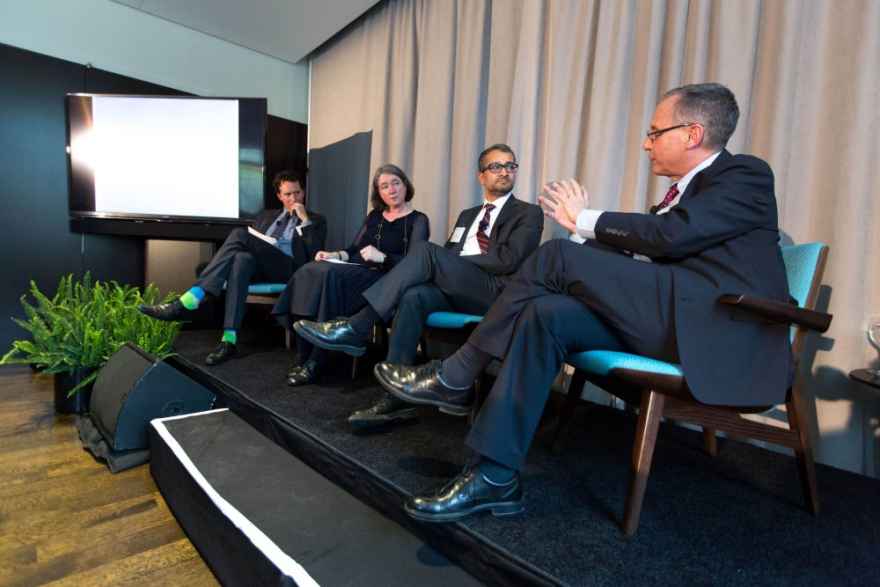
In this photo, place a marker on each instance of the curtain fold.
(571, 85)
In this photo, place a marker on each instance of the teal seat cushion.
(603, 362)
(452, 320)
(266, 288)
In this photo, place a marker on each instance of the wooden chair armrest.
(779, 311)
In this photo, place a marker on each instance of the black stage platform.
(260, 516)
(737, 519)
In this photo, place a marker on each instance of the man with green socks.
(297, 233)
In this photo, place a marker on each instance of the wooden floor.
(64, 518)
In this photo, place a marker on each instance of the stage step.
(260, 516)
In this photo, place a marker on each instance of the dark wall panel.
(35, 234)
(34, 229)
(339, 174)
(285, 150)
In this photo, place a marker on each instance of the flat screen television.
(164, 166)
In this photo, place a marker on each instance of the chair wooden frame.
(667, 396)
(269, 299)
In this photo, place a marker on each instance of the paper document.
(261, 236)
(341, 262)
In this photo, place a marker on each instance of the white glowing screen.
(165, 156)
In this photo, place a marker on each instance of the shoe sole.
(400, 416)
(499, 510)
(348, 350)
(445, 407)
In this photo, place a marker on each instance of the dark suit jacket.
(721, 238)
(303, 247)
(515, 235)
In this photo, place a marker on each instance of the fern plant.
(84, 323)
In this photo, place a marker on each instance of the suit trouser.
(241, 260)
(429, 279)
(622, 304)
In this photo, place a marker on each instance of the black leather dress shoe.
(421, 385)
(469, 493)
(303, 374)
(333, 335)
(223, 352)
(168, 312)
(387, 411)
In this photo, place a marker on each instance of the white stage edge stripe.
(279, 558)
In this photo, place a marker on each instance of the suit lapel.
(507, 212)
(696, 182)
(465, 220)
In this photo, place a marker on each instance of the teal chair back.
(802, 264)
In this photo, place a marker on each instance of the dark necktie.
(280, 226)
(483, 229)
(667, 199)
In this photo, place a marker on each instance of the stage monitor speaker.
(134, 388)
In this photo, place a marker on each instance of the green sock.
(189, 301)
(229, 336)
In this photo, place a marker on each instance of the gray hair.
(712, 105)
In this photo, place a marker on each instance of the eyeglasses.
(652, 135)
(497, 167)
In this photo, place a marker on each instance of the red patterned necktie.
(667, 199)
(483, 229)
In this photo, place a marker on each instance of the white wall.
(122, 40)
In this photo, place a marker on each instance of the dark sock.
(363, 321)
(495, 472)
(461, 369)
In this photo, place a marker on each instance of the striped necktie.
(483, 229)
(281, 226)
(667, 199)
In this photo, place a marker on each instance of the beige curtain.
(571, 86)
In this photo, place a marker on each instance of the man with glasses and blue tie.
(642, 283)
(487, 245)
(294, 234)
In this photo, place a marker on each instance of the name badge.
(457, 234)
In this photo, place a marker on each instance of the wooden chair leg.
(797, 421)
(710, 441)
(643, 453)
(566, 412)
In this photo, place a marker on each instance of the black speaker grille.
(116, 380)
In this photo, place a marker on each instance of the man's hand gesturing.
(563, 201)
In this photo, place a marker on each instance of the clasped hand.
(563, 201)
(372, 255)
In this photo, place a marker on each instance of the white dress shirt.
(471, 244)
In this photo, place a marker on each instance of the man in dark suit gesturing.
(645, 283)
(487, 245)
(294, 234)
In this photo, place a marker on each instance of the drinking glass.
(874, 339)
